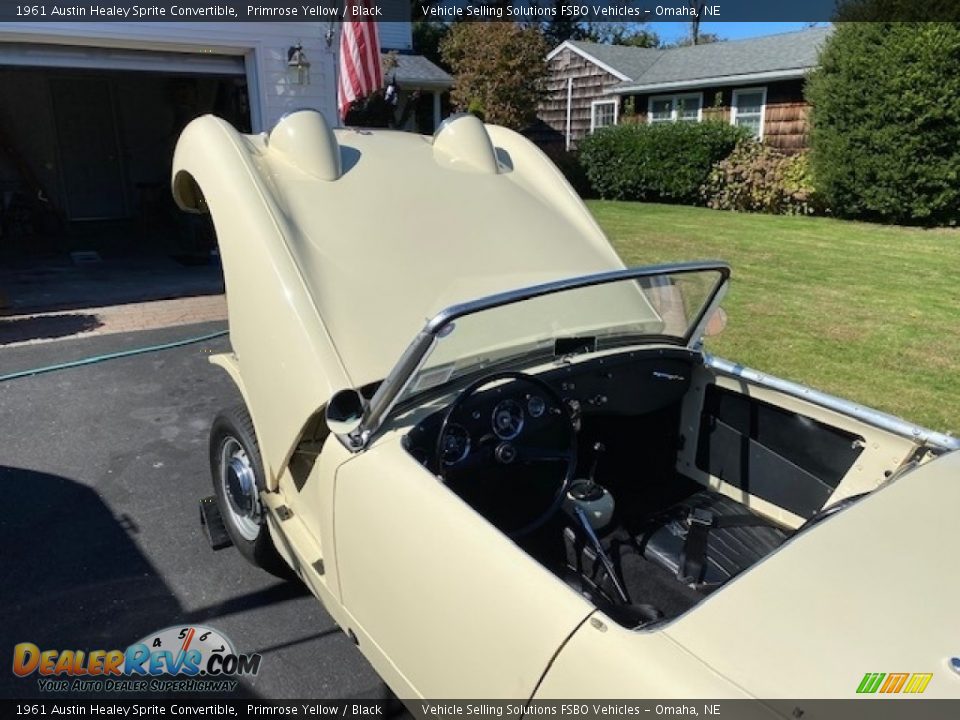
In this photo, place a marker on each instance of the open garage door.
(88, 137)
(102, 58)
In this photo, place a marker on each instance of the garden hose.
(111, 356)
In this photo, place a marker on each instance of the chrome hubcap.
(239, 483)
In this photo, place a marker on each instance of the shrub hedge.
(886, 122)
(759, 178)
(667, 162)
(568, 162)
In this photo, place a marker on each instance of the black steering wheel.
(513, 466)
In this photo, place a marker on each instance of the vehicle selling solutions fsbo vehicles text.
(610, 11)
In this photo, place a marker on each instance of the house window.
(661, 110)
(747, 109)
(675, 108)
(602, 114)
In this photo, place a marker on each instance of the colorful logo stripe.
(889, 683)
(918, 682)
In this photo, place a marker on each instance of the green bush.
(665, 161)
(759, 178)
(568, 162)
(886, 122)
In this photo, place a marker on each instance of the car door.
(442, 603)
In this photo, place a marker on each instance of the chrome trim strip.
(416, 353)
(890, 423)
(695, 339)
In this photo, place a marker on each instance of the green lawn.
(867, 312)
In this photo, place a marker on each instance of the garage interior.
(86, 142)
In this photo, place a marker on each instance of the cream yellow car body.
(337, 246)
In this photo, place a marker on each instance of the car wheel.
(237, 472)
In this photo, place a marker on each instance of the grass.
(867, 312)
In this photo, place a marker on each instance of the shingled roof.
(770, 57)
(417, 71)
(625, 61)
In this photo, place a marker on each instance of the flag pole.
(335, 50)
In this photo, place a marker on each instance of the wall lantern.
(298, 65)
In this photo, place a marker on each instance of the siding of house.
(786, 118)
(787, 121)
(589, 83)
(396, 35)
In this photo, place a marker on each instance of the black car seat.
(708, 538)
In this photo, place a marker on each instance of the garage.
(86, 144)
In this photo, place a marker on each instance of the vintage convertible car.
(504, 462)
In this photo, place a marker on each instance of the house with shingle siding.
(756, 83)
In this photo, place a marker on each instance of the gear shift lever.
(598, 449)
(590, 496)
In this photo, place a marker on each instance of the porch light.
(297, 65)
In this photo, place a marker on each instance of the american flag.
(360, 72)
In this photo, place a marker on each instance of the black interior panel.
(630, 384)
(788, 459)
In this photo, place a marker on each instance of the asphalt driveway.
(101, 468)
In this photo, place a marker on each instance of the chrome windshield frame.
(383, 401)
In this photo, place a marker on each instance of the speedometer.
(507, 419)
(455, 444)
(536, 406)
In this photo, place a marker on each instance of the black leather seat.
(727, 539)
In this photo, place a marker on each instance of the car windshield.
(663, 307)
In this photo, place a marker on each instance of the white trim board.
(567, 45)
(98, 58)
(723, 81)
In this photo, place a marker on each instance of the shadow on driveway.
(47, 327)
(75, 578)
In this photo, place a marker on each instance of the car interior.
(585, 466)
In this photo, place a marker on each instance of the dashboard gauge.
(536, 406)
(455, 445)
(507, 419)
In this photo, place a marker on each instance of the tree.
(427, 36)
(886, 121)
(697, 7)
(891, 10)
(499, 70)
(613, 33)
(702, 39)
(562, 27)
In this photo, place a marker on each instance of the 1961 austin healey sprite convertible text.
(502, 460)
